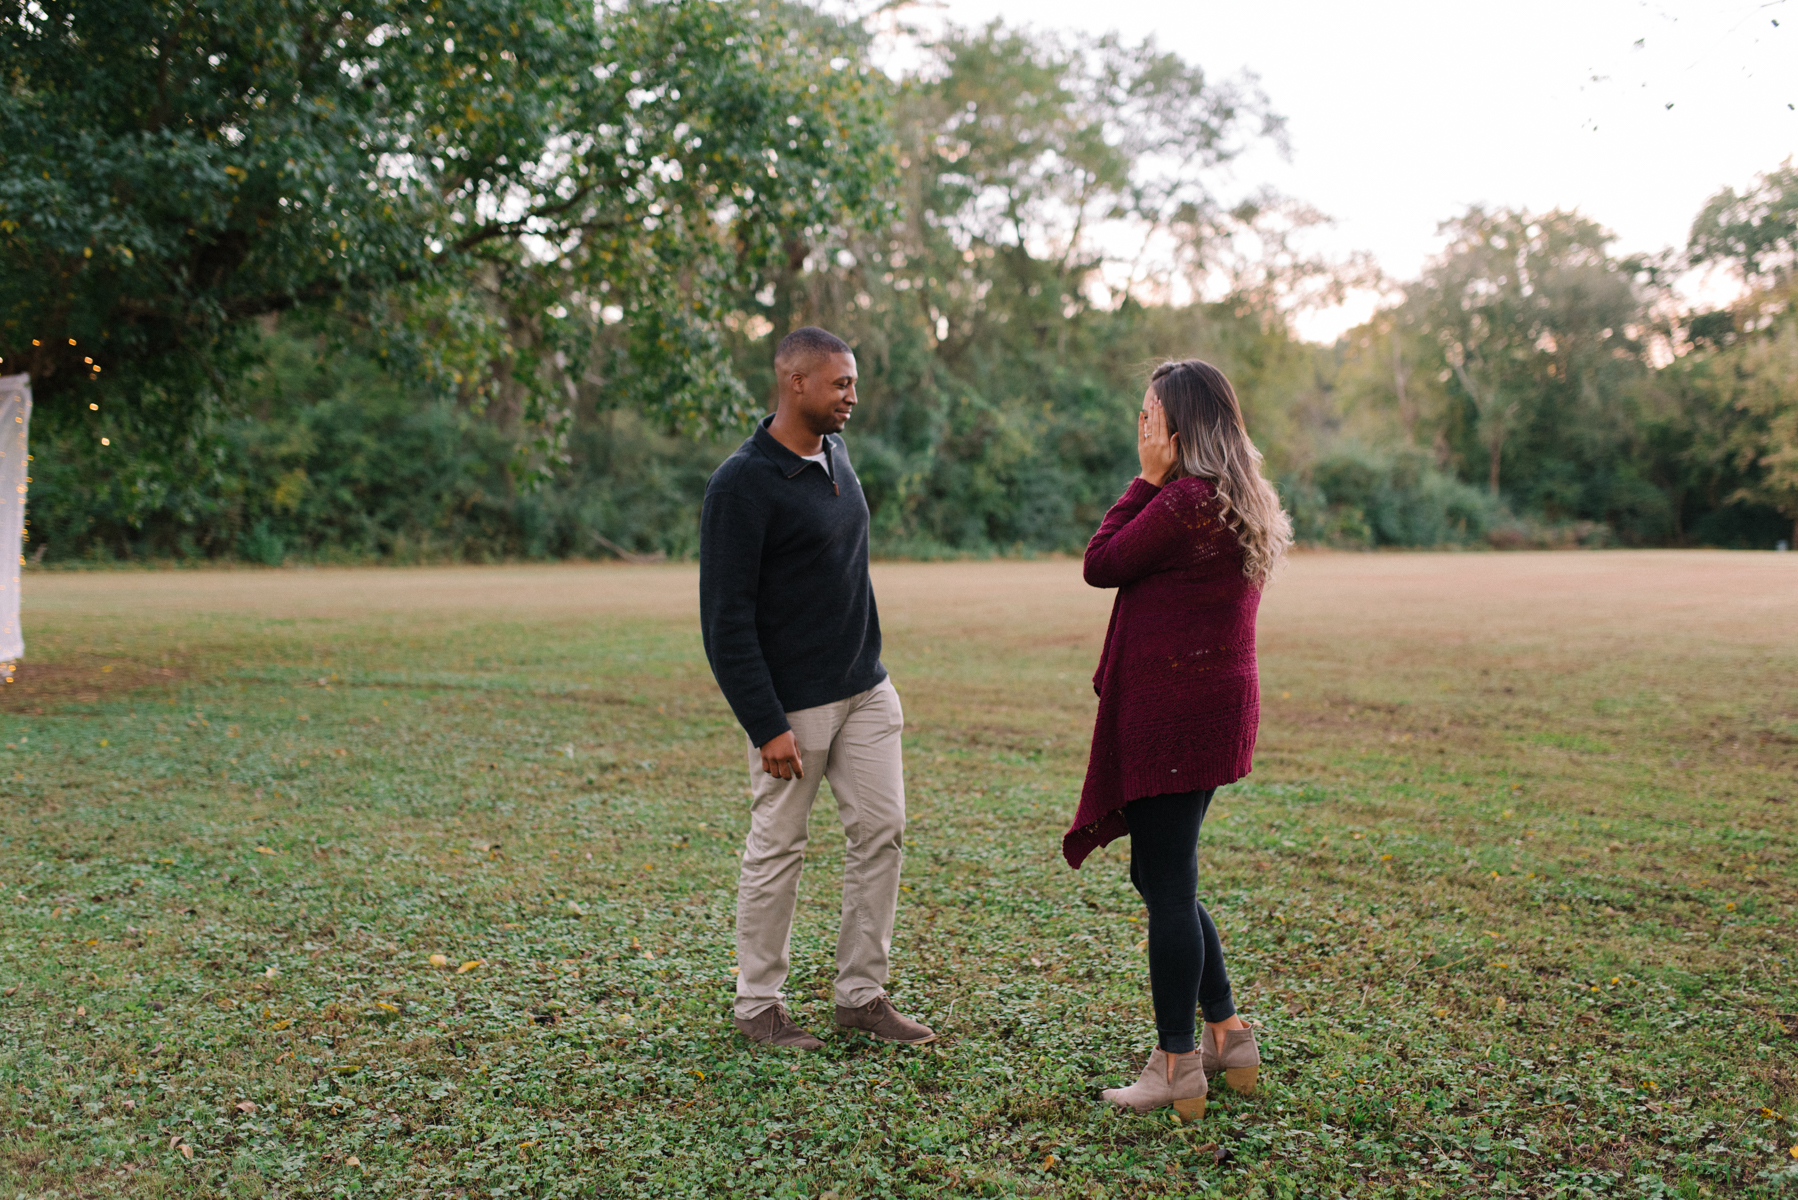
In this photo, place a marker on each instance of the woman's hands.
(1156, 449)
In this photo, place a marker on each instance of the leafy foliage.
(334, 460)
(1755, 232)
(528, 252)
(482, 181)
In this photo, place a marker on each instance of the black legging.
(1186, 961)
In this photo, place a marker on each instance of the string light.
(106, 441)
(93, 408)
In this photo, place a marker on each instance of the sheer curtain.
(15, 424)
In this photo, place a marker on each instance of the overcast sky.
(1403, 112)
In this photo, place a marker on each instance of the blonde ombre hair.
(1214, 444)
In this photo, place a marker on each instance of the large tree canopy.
(1755, 231)
(510, 178)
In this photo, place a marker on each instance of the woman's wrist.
(1154, 483)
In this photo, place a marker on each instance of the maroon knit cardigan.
(1179, 700)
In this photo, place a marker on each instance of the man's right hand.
(780, 757)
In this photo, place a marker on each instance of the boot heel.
(1242, 1079)
(1190, 1110)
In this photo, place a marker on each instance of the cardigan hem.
(1079, 842)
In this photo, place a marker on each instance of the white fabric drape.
(15, 426)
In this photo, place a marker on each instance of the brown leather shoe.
(1178, 1080)
(773, 1027)
(1239, 1064)
(878, 1018)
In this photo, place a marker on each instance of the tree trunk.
(789, 308)
(1495, 449)
(1401, 375)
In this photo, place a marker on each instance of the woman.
(1189, 547)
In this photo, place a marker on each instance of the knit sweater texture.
(785, 603)
(1179, 699)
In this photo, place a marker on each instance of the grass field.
(1509, 894)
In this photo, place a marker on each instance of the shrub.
(1364, 497)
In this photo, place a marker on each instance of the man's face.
(823, 392)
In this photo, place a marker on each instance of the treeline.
(562, 385)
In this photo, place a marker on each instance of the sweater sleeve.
(1136, 538)
(732, 530)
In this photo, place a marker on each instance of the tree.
(516, 196)
(1751, 349)
(1767, 441)
(1755, 232)
(1541, 328)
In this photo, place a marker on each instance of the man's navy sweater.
(785, 602)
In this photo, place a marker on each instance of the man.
(794, 641)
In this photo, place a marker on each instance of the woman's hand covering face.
(1156, 449)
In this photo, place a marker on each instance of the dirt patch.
(38, 687)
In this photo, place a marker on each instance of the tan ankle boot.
(1239, 1064)
(1154, 1089)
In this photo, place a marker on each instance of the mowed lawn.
(420, 883)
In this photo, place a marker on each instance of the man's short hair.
(805, 346)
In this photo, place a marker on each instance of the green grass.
(1509, 895)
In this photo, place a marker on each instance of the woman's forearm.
(1132, 540)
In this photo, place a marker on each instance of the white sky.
(1403, 112)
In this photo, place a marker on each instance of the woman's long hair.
(1214, 444)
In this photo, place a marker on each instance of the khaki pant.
(854, 743)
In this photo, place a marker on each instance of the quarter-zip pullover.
(785, 603)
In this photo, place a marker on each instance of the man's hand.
(780, 757)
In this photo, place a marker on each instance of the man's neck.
(794, 436)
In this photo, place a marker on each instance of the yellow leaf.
(387, 1006)
(468, 966)
(278, 1026)
(1795, 1151)
(1048, 1162)
(263, 850)
(438, 960)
